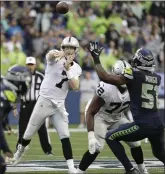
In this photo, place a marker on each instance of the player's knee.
(134, 144)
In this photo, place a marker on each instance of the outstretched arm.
(54, 54)
(109, 78)
(95, 51)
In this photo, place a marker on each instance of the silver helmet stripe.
(70, 39)
(124, 63)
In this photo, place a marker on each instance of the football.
(62, 8)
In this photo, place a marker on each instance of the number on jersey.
(117, 107)
(149, 96)
(59, 85)
(100, 90)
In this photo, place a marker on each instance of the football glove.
(128, 73)
(95, 51)
(93, 144)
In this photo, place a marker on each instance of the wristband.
(91, 135)
(96, 60)
(69, 74)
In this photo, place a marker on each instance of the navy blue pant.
(133, 132)
(2, 165)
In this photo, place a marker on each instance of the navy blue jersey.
(143, 90)
(7, 98)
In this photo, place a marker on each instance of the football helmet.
(119, 66)
(143, 59)
(70, 46)
(20, 76)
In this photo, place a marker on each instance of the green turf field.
(79, 145)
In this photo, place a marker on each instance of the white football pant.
(45, 108)
(101, 126)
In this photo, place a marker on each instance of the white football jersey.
(115, 102)
(55, 84)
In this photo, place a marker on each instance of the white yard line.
(53, 130)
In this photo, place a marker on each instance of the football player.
(106, 111)
(14, 83)
(61, 73)
(142, 84)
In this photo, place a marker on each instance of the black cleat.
(49, 154)
(133, 171)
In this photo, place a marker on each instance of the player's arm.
(95, 105)
(93, 108)
(53, 55)
(74, 83)
(95, 51)
(73, 77)
(110, 78)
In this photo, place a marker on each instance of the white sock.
(70, 163)
(80, 171)
(141, 166)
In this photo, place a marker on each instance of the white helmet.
(70, 41)
(119, 66)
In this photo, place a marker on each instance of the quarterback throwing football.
(61, 73)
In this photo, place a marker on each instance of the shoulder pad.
(128, 73)
(101, 90)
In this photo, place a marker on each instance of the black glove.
(95, 51)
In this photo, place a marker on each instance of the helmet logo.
(145, 60)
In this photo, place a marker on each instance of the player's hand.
(15, 112)
(68, 62)
(58, 54)
(54, 54)
(93, 144)
(95, 49)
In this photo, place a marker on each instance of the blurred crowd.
(33, 28)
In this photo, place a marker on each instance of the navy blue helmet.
(143, 59)
(20, 76)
